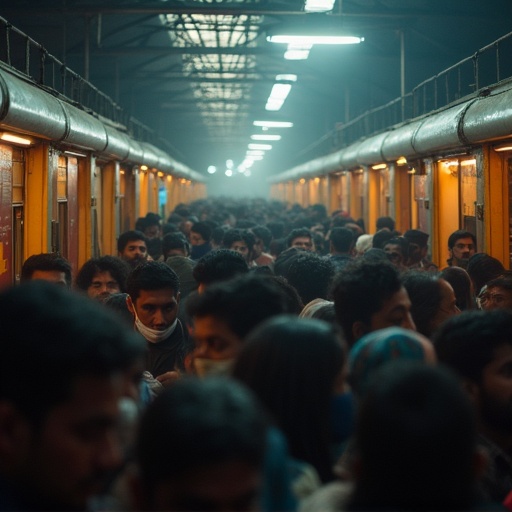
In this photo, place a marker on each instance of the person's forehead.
(465, 240)
(154, 296)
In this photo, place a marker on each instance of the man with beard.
(477, 345)
(461, 246)
(101, 277)
(133, 247)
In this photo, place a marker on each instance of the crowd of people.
(255, 356)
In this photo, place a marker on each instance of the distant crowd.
(249, 355)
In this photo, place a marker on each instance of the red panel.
(6, 277)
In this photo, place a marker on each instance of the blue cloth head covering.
(379, 347)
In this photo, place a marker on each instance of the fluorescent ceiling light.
(286, 78)
(265, 137)
(319, 5)
(306, 40)
(296, 54)
(378, 167)
(266, 147)
(10, 137)
(273, 124)
(280, 91)
(255, 152)
(254, 158)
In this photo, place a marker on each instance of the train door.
(405, 207)
(6, 205)
(65, 225)
(456, 206)
(497, 217)
(358, 190)
(18, 194)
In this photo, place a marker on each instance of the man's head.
(201, 446)
(311, 275)
(369, 295)
(175, 244)
(342, 241)
(477, 345)
(301, 238)
(58, 424)
(385, 223)
(461, 246)
(154, 296)
(498, 294)
(200, 233)
(101, 277)
(432, 298)
(397, 249)
(219, 265)
(241, 241)
(226, 312)
(415, 416)
(418, 245)
(47, 267)
(132, 247)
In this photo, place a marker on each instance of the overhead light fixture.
(255, 152)
(504, 147)
(401, 161)
(286, 78)
(254, 158)
(277, 96)
(16, 139)
(319, 5)
(260, 136)
(143, 167)
(378, 167)
(297, 39)
(273, 124)
(212, 169)
(297, 51)
(75, 153)
(266, 147)
(228, 173)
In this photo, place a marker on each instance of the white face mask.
(152, 335)
(213, 368)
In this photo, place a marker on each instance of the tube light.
(75, 153)
(265, 137)
(378, 167)
(319, 5)
(286, 78)
(303, 40)
(273, 124)
(10, 137)
(504, 147)
(297, 51)
(266, 147)
(401, 161)
(255, 152)
(280, 91)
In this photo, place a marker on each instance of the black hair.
(342, 239)
(130, 236)
(423, 417)
(298, 233)
(204, 229)
(46, 262)
(467, 342)
(457, 235)
(425, 295)
(197, 423)
(311, 275)
(264, 234)
(175, 241)
(219, 265)
(65, 336)
(482, 268)
(461, 284)
(300, 357)
(381, 238)
(151, 275)
(385, 222)
(117, 268)
(239, 235)
(359, 291)
(242, 303)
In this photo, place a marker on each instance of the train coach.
(447, 169)
(71, 179)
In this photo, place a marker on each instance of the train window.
(18, 175)
(62, 179)
(468, 194)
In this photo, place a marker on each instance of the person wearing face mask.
(153, 299)
(225, 313)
